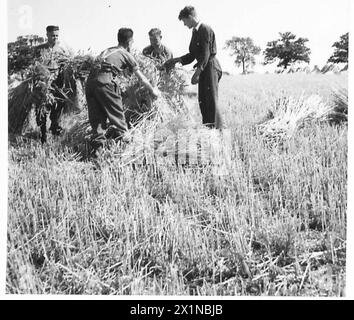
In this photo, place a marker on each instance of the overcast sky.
(93, 24)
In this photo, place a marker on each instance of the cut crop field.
(273, 223)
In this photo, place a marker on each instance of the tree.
(287, 50)
(244, 50)
(341, 50)
(20, 54)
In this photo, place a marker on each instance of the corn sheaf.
(290, 114)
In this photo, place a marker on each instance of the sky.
(93, 24)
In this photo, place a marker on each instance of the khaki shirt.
(161, 55)
(116, 62)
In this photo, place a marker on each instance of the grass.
(275, 224)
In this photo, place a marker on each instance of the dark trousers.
(208, 94)
(54, 110)
(104, 102)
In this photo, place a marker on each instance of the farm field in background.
(273, 224)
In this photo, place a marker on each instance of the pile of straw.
(340, 105)
(36, 90)
(20, 104)
(159, 118)
(137, 100)
(290, 114)
(144, 115)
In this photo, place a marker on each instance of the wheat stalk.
(290, 114)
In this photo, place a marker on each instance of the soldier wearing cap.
(103, 92)
(52, 54)
(207, 69)
(53, 46)
(156, 50)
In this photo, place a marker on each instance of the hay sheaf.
(36, 90)
(20, 103)
(161, 118)
(291, 114)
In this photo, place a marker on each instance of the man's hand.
(195, 77)
(170, 63)
(153, 90)
(161, 67)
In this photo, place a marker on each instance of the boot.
(96, 153)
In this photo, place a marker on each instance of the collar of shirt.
(197, 26)
(160, 48)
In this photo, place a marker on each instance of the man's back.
(114, 61)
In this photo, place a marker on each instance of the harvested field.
(271, 222)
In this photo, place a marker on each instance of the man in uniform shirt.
(52, 47)
(156, 49)
(103, 91)
(208, 71)
(53, 53)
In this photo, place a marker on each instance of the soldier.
(53, 46)
(156, 49)
(52, 54)
(103, 92)
(208, 71)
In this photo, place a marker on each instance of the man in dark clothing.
(208, 71)
(53, 54)
(103, 91)
(156, 50)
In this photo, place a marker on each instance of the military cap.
(52, 28)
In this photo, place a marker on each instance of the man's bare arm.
(154, 91)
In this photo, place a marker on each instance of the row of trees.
(286, 50)
(20, 53)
